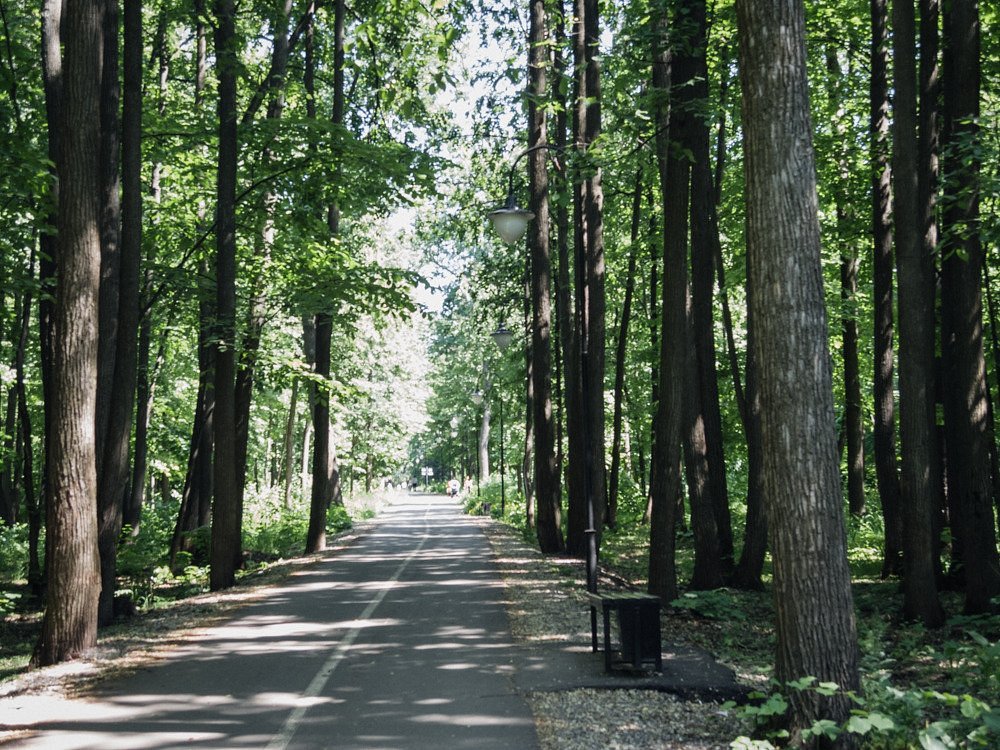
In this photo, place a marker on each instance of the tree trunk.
(319, 498)
(69, 626)
(578, 479)
(594, 333)
(750, 567)
(326, 477)
(48, 241)
(114, 468)
(132, 511)
(919, 484)
(812, 589)
(704, 238)
(969, 482)
(31, 505)
(564, 311)
(289, 443)
(549, 511)
(484, 441)
(264, 242)
(886, 471)
(853, 415)
(665, 458)
(611, 517)
(227, 513)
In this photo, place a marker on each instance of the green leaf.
(881, 722)
(828, 688)
(858, 725)
(802, 684)
(992, 720)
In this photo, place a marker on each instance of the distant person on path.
(453, 487)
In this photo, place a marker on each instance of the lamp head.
(502, 337)
(510, 221)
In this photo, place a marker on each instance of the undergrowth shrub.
(13, 552)
(884, 718)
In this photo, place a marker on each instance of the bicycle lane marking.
(315, 687)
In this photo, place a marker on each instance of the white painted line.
(283, 738)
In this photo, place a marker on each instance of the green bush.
(13, 552)
(885, 718)
(337, 519)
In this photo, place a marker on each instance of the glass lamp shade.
(511, 223)
(502, 337)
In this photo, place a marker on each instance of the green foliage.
(885, 717)
(8, 602)
(337, 519)
(718, 604)
(13, 552)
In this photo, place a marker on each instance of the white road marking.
(284, 737)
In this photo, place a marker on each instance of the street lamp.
(515, 224)
(502, 337)
(511, 222)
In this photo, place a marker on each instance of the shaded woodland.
(247, 274)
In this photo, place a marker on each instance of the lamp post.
(502, 338)
(511, 223)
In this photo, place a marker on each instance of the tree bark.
(31, 504)
(549, 511)
(52, 76)
(814, 611)
(264, 242)
(665, 480)
(750, 568)
(577, 521)
(611, 517)
(704, 237)
(69, 627)
(548, 501)
(594, 333)
(853, 416)
(289, 443)
(919, 484)
(886, 471)
(227, 513)
(970, 487)
(326, 477)
(114, 468)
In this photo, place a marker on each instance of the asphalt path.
(398, 641)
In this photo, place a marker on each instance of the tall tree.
(227, 511)
(918, 483)
(704, 239)
(69, 626)
(109, 496)
(264, 242)
(621, 346)
(853, 415)
(884, 430)
(970, 488)
(587, 509)
(665, 478)
(326, 479)
(113, 465)
(548, 520)
(814, 610)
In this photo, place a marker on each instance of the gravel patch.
(545, 602)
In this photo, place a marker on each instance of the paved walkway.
(399, 641)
